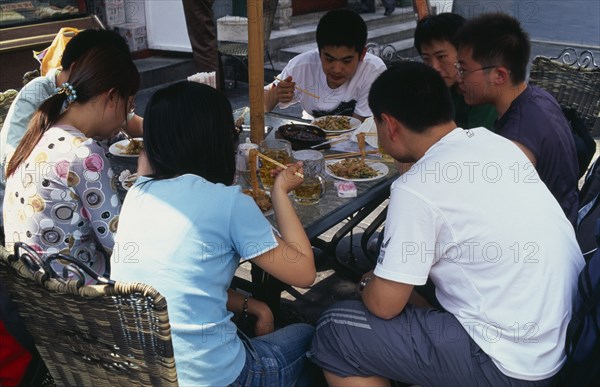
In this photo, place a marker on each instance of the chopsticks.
(334, 140)
(349, 154)
(127, 135)
(267, 158)
(300, 89)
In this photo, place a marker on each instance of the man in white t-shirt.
(337, 75)
(473, 216)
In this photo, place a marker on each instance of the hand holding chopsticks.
(299, 89)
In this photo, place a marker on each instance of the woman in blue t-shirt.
(184, 229)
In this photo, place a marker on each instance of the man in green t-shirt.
(434, 40)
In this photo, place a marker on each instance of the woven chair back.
(387, 53)
(573, 85)
(93, 335)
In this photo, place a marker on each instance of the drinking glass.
(278, 150)
(313, 187)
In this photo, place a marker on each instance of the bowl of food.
(302, 136)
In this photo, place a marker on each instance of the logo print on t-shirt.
(343, 109)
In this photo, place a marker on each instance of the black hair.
(187, 129)
(440, 27)
(497, 40)
(342, 27)
(85, 40)
(99, 69)
(414, 94)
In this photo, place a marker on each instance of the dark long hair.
(187, 129)
(99, 70)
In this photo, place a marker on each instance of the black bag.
(584, 142)
(582, 343)
(588, 217)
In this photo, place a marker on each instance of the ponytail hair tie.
(67, 89)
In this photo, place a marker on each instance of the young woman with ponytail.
(60, 191)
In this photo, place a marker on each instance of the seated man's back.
(536, 121)
(472, 215)
(494, 242)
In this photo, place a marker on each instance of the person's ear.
(391, 125)
(112, 96)
(361, 56)
(501, 75)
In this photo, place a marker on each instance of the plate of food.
(127, 179)
(262, 200)
(336, 124)
(355, 169)
(127, 148)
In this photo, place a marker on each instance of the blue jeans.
(276, 359)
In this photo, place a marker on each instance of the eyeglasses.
(462, 72)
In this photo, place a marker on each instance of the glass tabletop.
(331, 209)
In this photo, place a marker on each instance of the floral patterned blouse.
(63, 198)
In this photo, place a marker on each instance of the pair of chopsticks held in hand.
(300, 89)
(254, 152)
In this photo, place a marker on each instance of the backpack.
(582, 344)
(588, 217)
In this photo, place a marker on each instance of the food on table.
(263, 201)
(133, 148)
(333, 123)
(352, 169)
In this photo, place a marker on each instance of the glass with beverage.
(313, 187)
(278, 150)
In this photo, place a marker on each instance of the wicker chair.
(91, 335)
(387, 53)
(573, 79)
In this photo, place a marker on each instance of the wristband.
(363, 283)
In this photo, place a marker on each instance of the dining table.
(331, 210)
(328, 213)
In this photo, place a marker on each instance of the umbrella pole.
(256, 70)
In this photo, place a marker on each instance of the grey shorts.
(420, 346)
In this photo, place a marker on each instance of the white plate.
(127, 179)
(354, 123)
(242, 112)
(382, 170)
(118, 147)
